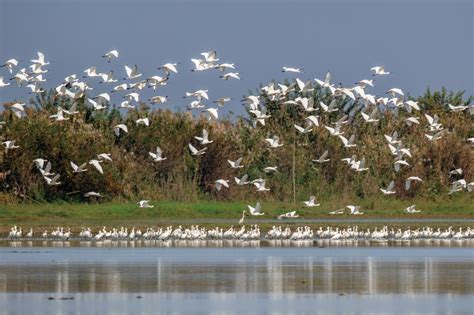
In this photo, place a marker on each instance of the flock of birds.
(244, 234)
(75, 86)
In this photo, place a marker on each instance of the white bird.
(111, 54)
(105, 156)
(359, 166)
(91, 72)
(201, 65)
(3, 84)
(457, 171)
(96, 105)
(311, 202)
(290, 69)
(327, 82)
(379, 70)
(411, 209)
(412, 105)
(96, 164)
(241, 181)
(241, 221)
(144, 204)
(274, 142)
(195, 151)
(40, 163)
(259, 116)
(332, 107)
(40, 61)
(158, 99)
(223, 66)
(390, 189)
(9, 145)
(456, 109)
(395, 92)
(18, 109)
(323, 158)
(221, 101)
(256, 210)
(338, 211)
(236, 164)
(92, 194)
(288, 215)
(212, 113)
(143, 121)
(120, 128)
(210, 56)
(348, 143)
(398, 163)
(9, 64)
(336, 131)
(370, 118)
(312, 120)
(132, 73)
(305, 130)
(169, 67)
(260, 184)
(52, 181)
(78, 169)
(230, 75)
(354, 210)
(158, 155)
(205, 138)
(221, 183)
(364, 83)
(269, 169)
(132, 96)
(411, 179)
(410, 121)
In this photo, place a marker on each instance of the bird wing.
(97, 165)
(192, 148)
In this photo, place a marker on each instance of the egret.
(379, 70)
(111, 54)
(195, 151)
(311, 202)
(144, 204)
(120, 128)
(322, 158)
(221, 183)
(157, 155)
(354, 210)
(78, 169)
(389, 190)
(256, 210)
(205, 138)
(236, 164)
(294, 70)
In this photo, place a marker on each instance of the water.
(239, 280)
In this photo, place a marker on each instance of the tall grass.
(182, 177)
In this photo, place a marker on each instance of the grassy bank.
(210, 212)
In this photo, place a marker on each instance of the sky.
(423, 43)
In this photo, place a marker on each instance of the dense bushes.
(133, 174)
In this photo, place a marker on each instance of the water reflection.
(270, 273)
(242, 244)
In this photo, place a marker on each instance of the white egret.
(157, 156)
(311, 202)
(256, 210)
(195, 151)
(205, 138)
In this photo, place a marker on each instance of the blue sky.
(424, 43)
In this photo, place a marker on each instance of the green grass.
(170, 212)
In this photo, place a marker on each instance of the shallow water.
(258, 280)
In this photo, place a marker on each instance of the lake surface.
(239, 280)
